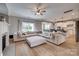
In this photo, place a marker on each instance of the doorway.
(77, 31)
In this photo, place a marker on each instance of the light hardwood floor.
(68, 48)
(22, 49)
(78, 48)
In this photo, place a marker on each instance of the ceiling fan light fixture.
(38, 10)
(37, 13)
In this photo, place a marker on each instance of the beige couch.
(58, 38)
(22, 36)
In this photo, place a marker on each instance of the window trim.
(32, 24)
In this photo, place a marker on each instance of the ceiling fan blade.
(43, 11)
(43, 7)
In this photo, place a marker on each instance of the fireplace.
(3, 42)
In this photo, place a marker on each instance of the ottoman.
(35, 40)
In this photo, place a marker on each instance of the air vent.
(68, 11)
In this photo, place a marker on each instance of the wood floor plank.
(68, 48)
(43, 50)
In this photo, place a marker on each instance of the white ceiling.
(52, 10)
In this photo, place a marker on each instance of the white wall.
(3, 31)
(3, 8)
(0, 44)
(16, 25)
(38, 26)
(13, 22)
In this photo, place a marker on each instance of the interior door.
(77, 31)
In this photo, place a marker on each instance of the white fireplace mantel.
(3, 31)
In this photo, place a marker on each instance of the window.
(27, 27)
(46, 26)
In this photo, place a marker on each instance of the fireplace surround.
(3, 42)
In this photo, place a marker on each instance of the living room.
(39, 29)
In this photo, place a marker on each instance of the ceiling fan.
(39, 9)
